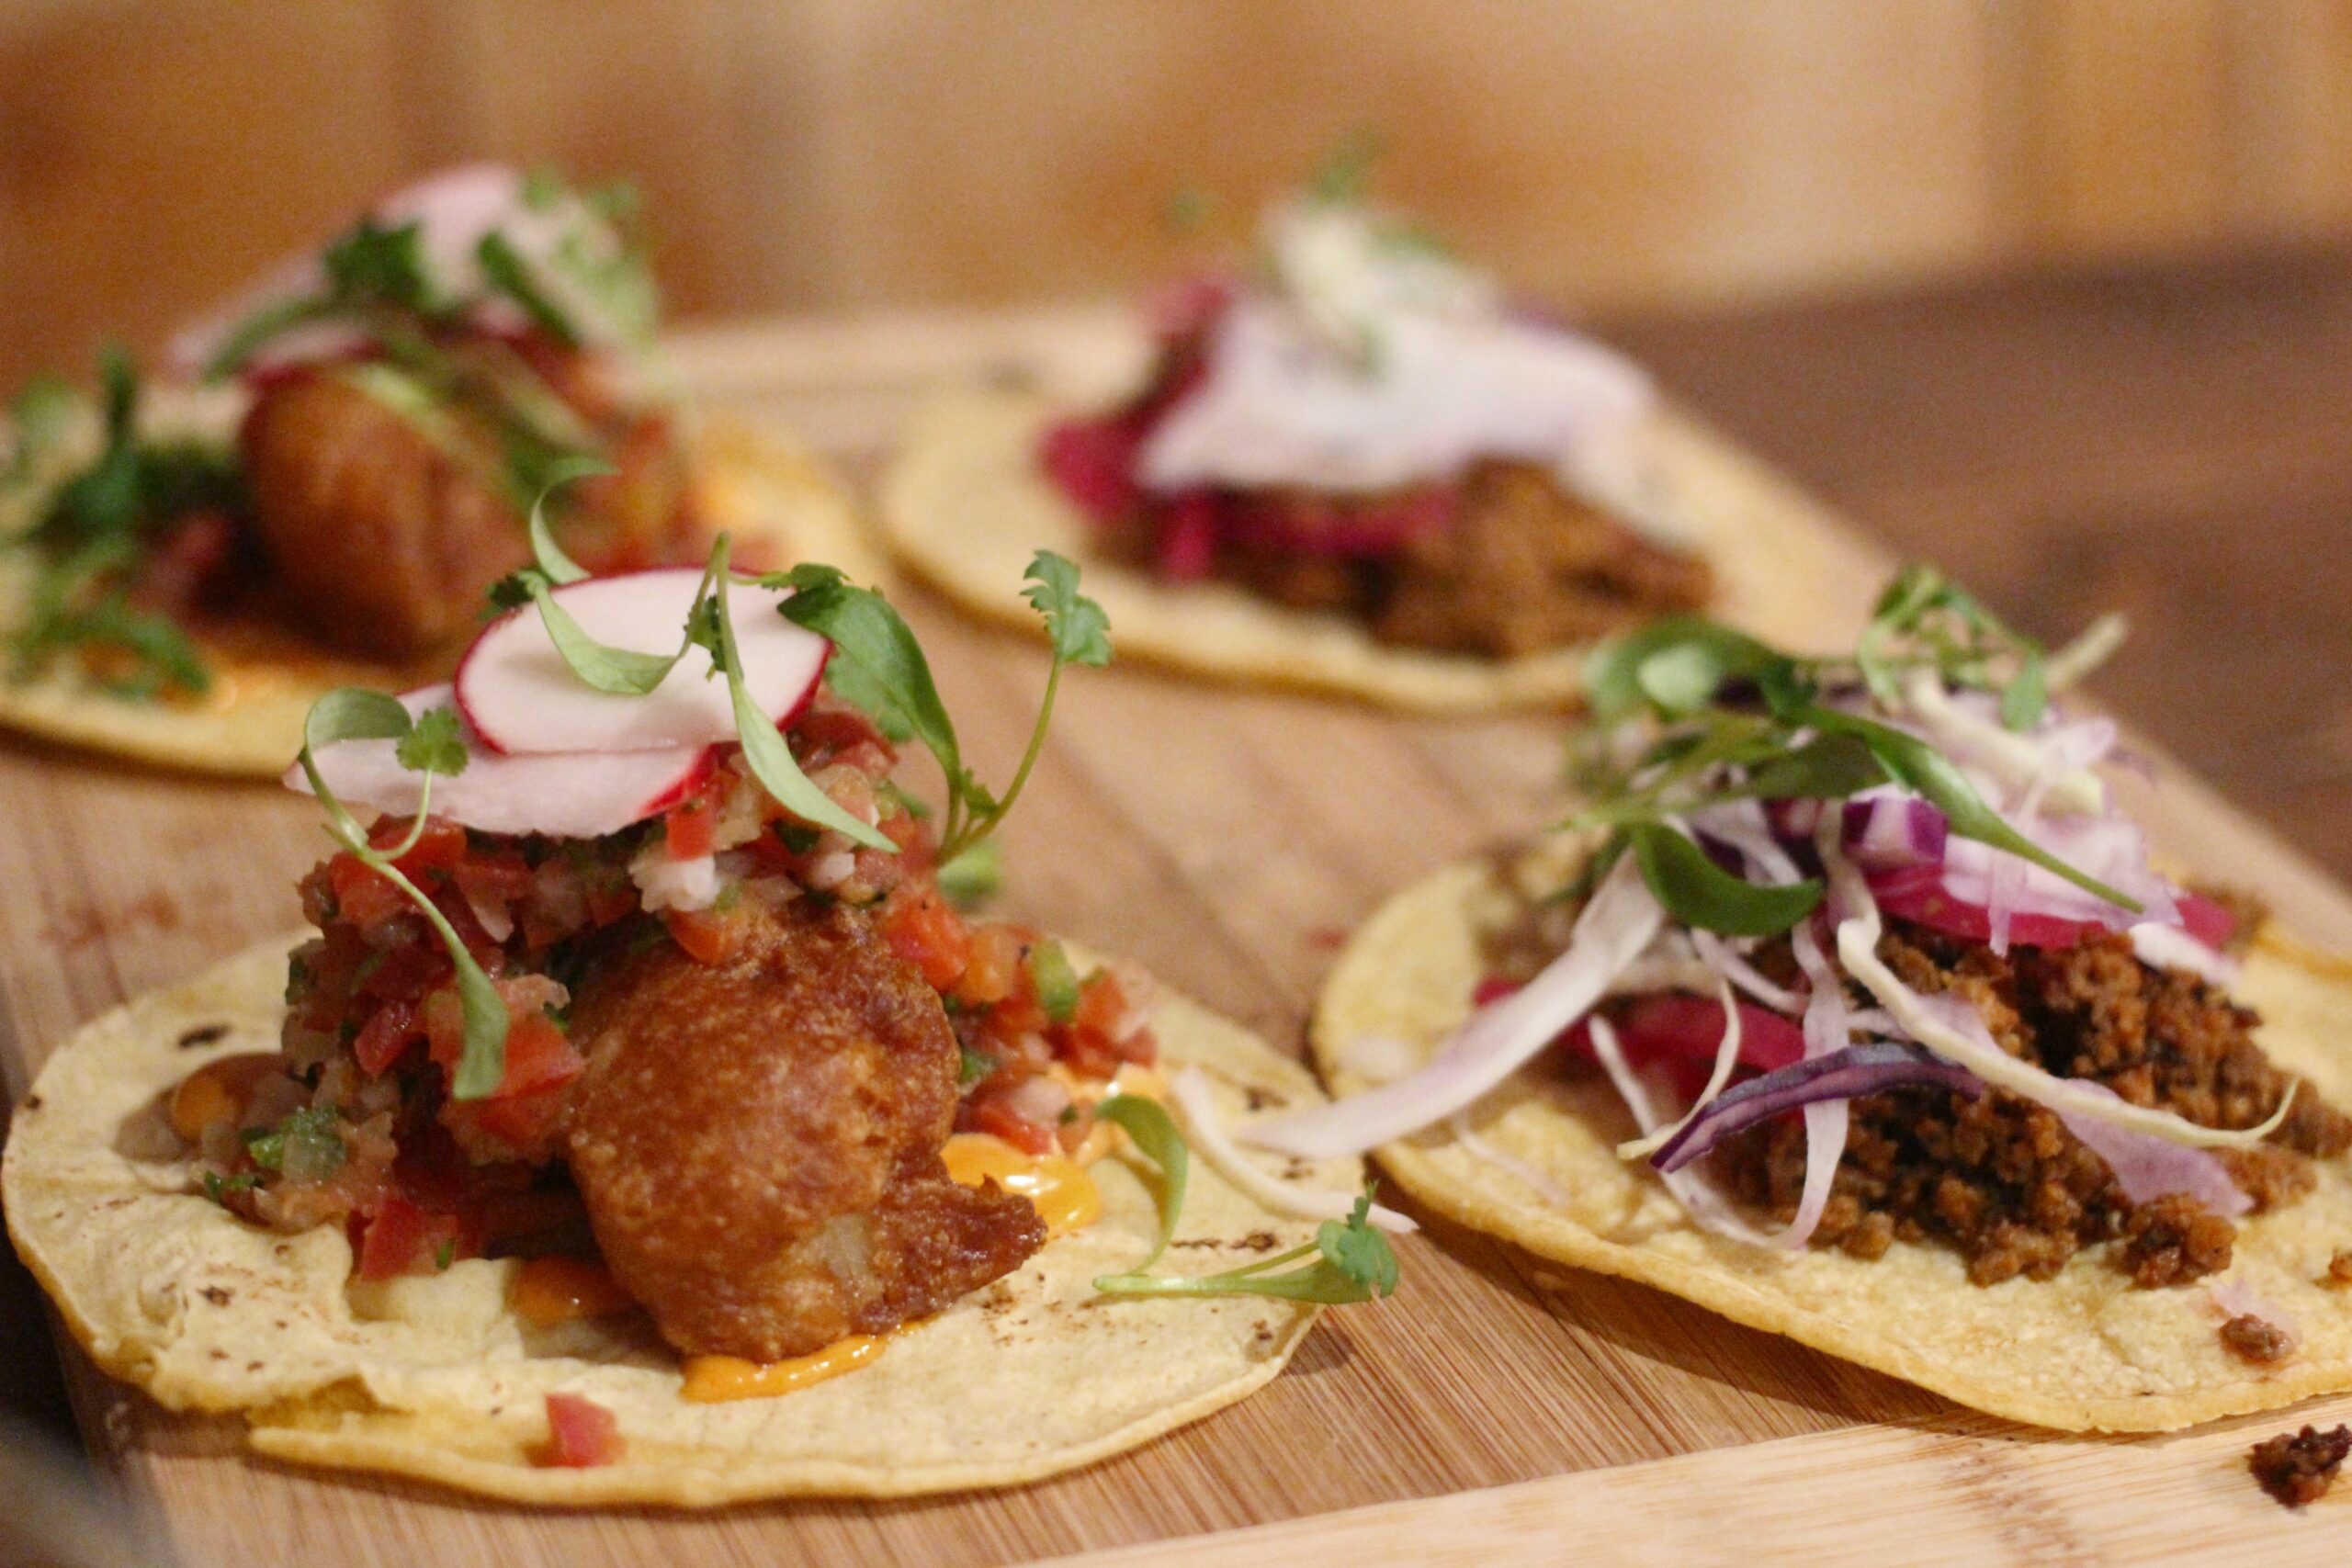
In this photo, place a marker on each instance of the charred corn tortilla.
(965, 504)
(2084, 1351)
(774, 496)
(434, 1377)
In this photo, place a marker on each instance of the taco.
(182, 586)
(640, 1120)
(1351, 466)
(1851, 1009)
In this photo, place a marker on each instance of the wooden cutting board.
(1499, 1408)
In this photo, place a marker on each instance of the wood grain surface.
(1225, 839)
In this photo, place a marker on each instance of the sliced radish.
(523, 700)
(582, 796)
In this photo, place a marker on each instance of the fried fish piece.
(758, 1140)
(382, 541)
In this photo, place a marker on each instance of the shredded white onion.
(2018, 760)
(1709, 1208)
(1480, 1148)
(1720, 957)
(1621, 921)
(1726, 1058)
(1951, 1029)
(2170, 947)
(1189, 1091)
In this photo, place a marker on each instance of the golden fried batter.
(757, 1140)
(383, 543)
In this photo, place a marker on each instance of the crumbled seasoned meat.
(1516, 565)
(2298, 1468)
(758, 1141)
(2000, 1178)
(2339, 1267)
(2255, 1339)
(2174, 1240)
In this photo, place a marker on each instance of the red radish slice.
(523, 700)
(584, 796)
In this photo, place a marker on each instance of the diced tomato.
(363, 895)
(390, 1031)
(990, 1115)
(494, 879)
(1103, 1009)
(924, 929)
(689, 831)
(582, 1434)
(539, 1058)
(709, 938)
(407, 972)
(828, 731)
(999, 966)
(400, 1238)
(439, 847)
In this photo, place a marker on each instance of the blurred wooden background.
(837, 153)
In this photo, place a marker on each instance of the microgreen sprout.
(893, 680)
(428, 746)
(1710, 715)
(1349, 1261)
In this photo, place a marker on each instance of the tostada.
(639, 1120)
(1852, 1008)
(1352, 465)
(183, 582)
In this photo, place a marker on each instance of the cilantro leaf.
(973, 1066)
(1076, 624)
(852, 684)
(432, 744)
(1357, 1250)
(1697, 892)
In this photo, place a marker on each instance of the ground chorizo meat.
(2001, 1178)
(757, 1140)
(1520, 566)
(2297, 1468)
(2256, 1340)
(2339, 1267)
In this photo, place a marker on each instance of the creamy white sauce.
(1371, 363)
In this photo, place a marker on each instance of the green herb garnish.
(1056, 981)
(306, 1147)
(974, 875)
(1349, 1261)
(1736, 720)
(353, 713)
(895, 681)
(95, 525)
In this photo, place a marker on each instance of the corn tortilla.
(965, 504)
(434, 1377)
(2085, 1351)
(769, 494)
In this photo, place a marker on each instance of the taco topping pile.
(409, 392)
(1871, 957)
(1359, 425)
(648, 973)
